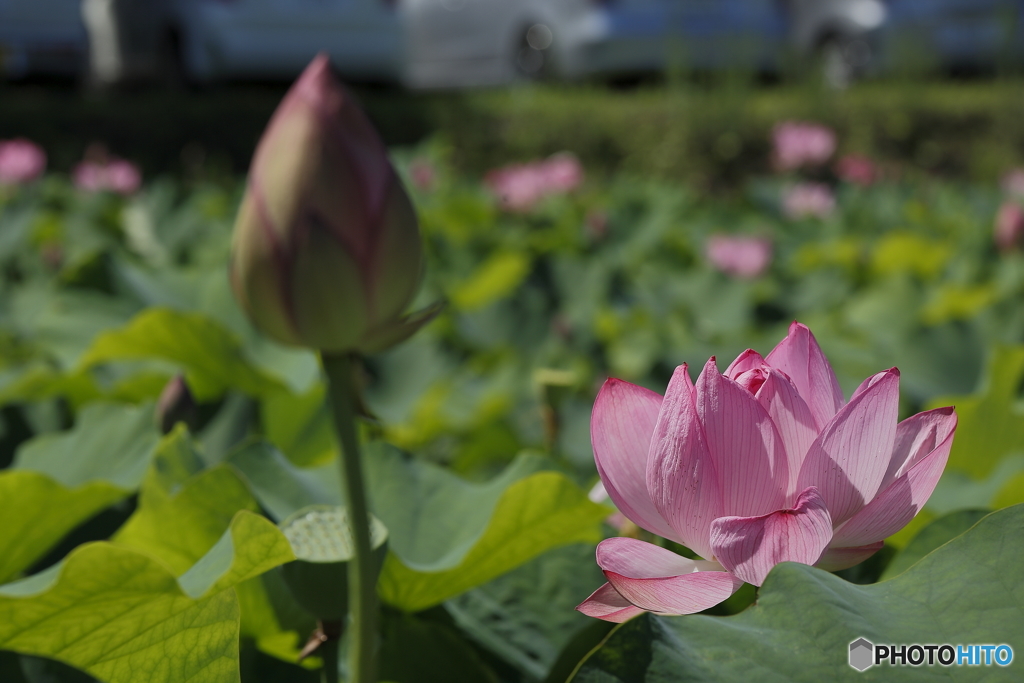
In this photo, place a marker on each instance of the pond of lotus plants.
(358, 417)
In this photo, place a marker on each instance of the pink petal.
(658, 580)
(792, 418)
(681, 477)
(800, 357)
(620, 430)
(834, 559)
(641, 560)
(749, 457)
(899, 502)
(748, 360)
(848, 460)
(750, 546)
(685, 594)
(606, 603)
(916, 437)
(748, 370)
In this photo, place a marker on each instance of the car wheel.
(533, 54)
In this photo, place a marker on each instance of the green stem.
(329, 652)
(362, 589)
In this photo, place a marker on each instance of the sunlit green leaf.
(110, 442)
(37, 512)
(211, 356)
(114, 612)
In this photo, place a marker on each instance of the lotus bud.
(176, 404)
(326, 251)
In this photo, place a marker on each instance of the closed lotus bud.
(175, 405)
(326, 251)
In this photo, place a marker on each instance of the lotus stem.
(362, 590)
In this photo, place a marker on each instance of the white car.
(419, 43)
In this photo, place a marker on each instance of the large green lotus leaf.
(527, 616)
(445, 534)
(433, 517)
(543, 511)
(179, 528)
(300, 425)
(36, 512)
(280, 487)
(205, 290)
(39, 381)
(969, 590)
(417, 650)
(62, 323)
(211, 356)
(991, 422)
(110, 442)
(114, 612)
(183, 511)
(936, 533)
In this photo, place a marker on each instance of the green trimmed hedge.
(700, 135)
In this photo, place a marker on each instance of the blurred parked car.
(928, 34)
(42, 37)
(447, 43)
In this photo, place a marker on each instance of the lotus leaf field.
(133, 553)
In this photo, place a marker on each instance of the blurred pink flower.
(1013, 182)
(113, 174)
(799, 144)
(520, 186)
(856, 169)
(764, 463)
(739, 256)
(1009, 226)
(21, 161)
(423, 174)
(808, 199)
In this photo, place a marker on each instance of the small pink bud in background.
(1013, 183)
(743, 257)
(1009, 226)
(113, 175)
(423, 174)
(808, 199)
(520, 186)
(21, 161)
(797, 144)
(176, 404)
(856, 169)
(326, 251)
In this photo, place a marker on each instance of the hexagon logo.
(862, 654)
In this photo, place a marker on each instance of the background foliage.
(115, 536)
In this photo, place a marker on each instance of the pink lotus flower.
(766, 463)
(520, 186)
(856, 169)
(101, 172)
(744, 257)
(21, 161)
(799, 144)
(808, 199)
(1009, 227)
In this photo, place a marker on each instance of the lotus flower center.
(752, 379)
